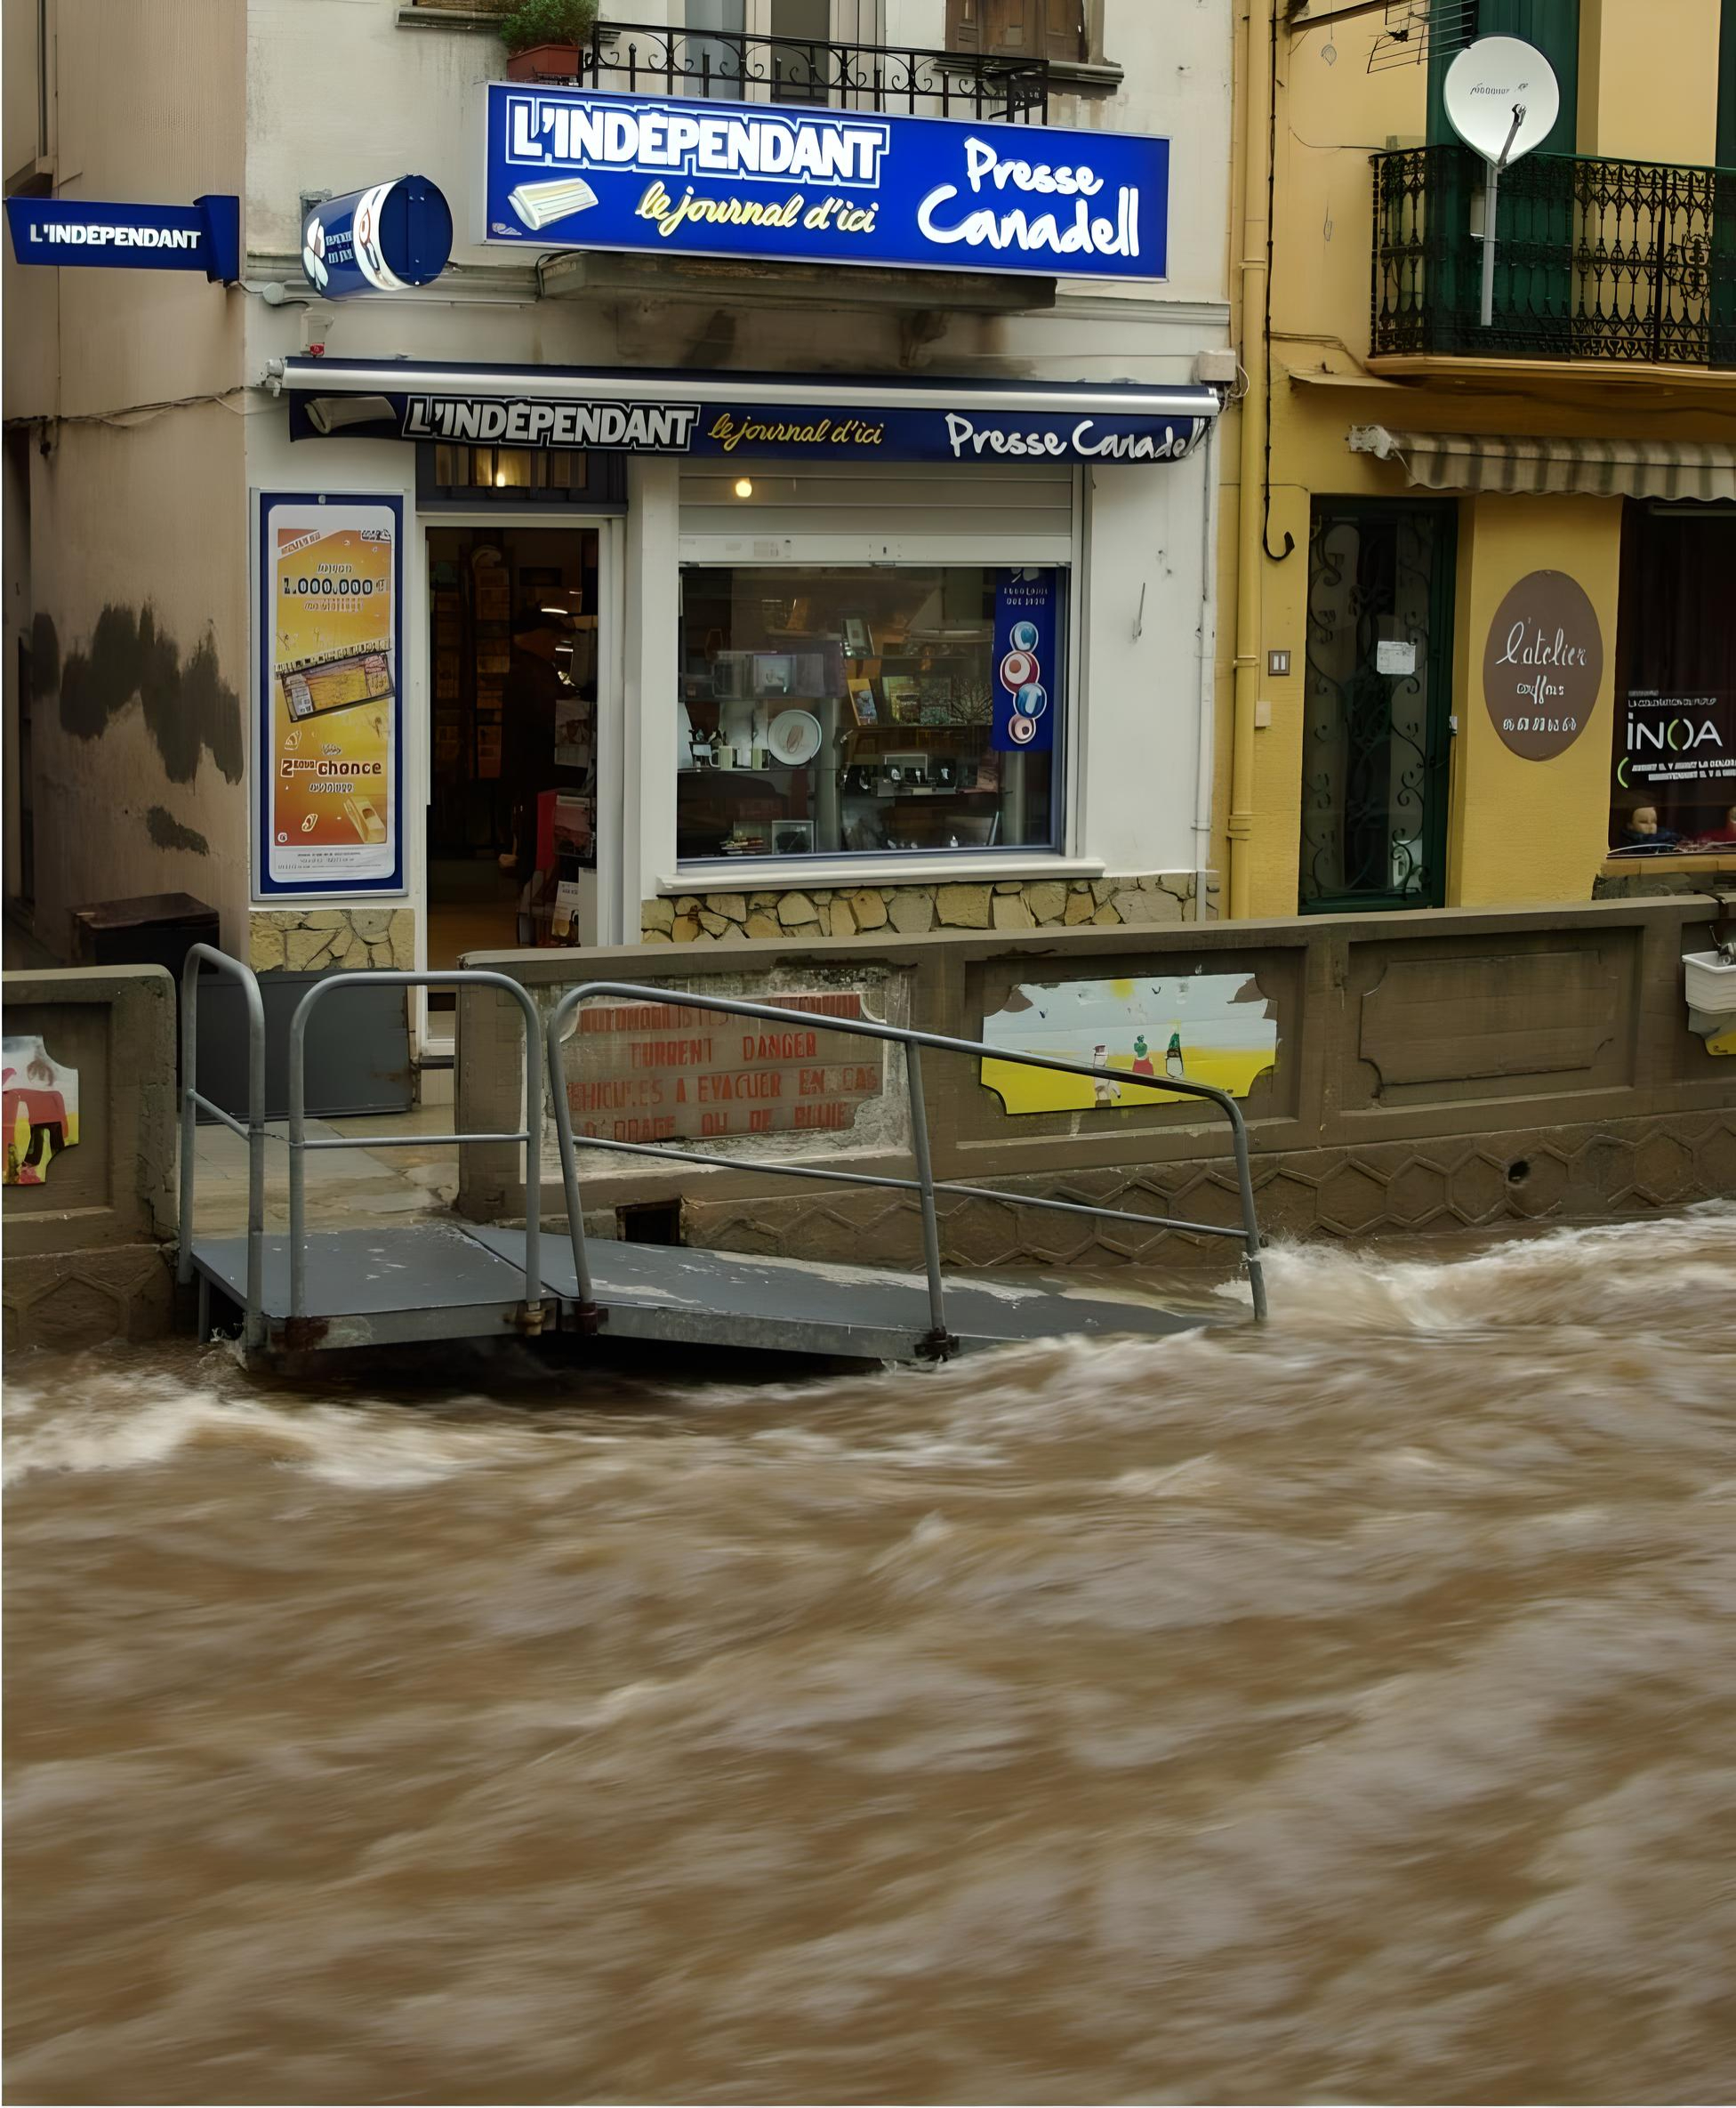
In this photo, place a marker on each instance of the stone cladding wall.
(913, 911)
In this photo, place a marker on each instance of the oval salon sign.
(1543, 665)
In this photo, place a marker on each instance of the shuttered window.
(1019, 29)
(881, 508)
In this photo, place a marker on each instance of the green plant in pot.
(542, 38)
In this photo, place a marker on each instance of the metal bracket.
(937, 1346)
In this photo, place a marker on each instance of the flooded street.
(1341, 1712)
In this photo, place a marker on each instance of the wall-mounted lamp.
(744, 486)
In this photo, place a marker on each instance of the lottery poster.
(331, 717)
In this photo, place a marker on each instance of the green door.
(1377, 702)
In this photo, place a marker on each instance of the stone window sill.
(760, 874)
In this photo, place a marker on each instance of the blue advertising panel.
(746, 428)
(1027, 665)
(569, 168)
(378, 240)
(204, 235)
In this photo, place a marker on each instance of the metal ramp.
(369, 1286)
(447, 1280)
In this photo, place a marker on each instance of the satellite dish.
(1501, 98)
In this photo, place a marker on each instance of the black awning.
(781, 416)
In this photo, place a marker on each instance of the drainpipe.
(1256, 154)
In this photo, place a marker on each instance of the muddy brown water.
(1343, 1712)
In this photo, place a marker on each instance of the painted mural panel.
(40, 1109)
(1214, 1028)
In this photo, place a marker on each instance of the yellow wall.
(1648, 80)
(1519, 829)
(1523, 830)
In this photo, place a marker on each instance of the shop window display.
(867, 710)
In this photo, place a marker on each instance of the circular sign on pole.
(1501, 98)
(379, 241)
(1543, 665)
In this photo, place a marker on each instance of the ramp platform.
(447, 1280)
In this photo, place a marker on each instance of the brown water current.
(1340, 1712)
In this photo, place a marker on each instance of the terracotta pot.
(544, 62)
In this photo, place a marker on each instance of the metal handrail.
(254, 1133)
(939, 1342)
(529, 1134)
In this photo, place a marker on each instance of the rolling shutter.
(875, 503)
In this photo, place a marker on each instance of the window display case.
(851, 710)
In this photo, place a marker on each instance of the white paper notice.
(1392, 657)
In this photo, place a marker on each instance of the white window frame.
(891, 868)
(439, 1045)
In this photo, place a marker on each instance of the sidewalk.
(343, 1186)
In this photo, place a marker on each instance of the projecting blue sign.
(569, 169)
(204, 235)
(378, 240)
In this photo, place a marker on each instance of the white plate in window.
(794, 737)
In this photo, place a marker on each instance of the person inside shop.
(1642, 831)
(531, 704)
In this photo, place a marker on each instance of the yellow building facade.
(1478, 584)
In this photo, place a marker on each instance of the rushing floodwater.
(1340, 1713)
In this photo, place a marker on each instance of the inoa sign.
(204, 235)
(570, 169)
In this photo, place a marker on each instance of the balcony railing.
(1623, 261)
(641, 59)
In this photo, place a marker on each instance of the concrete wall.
(1438, 1071)
(137, 537)
(85, 1258)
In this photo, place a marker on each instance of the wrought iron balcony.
(1626, 261)
(642, 59)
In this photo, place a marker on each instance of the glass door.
(514, 670)
(1376, 728)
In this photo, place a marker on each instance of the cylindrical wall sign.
(1543, 665)
(378, 240)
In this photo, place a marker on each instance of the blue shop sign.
(571, 169)
(969, 427)
(377, 240)
(204, 235)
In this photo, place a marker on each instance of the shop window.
(866, 711)
(1053, 30)
(1674, 790)
(450, 476)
